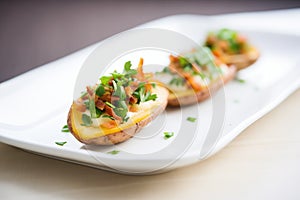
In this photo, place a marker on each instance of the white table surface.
(262, 163)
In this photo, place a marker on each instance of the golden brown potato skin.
(125, 134)
(241, 61)
(194, 97)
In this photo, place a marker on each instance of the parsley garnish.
(60, 143)
(110, 105)
(105, 79)
(240, 80)
(86, 120)
(168, 135)
(65, 128)
(177, 81)
(143, 96)
(113, 152)
(92, 109)
(236, 101)
(127, 66)
(121, 109)
(191, 119)
(100, 90)
(108, 116)
(83, 94)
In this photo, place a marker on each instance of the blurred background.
(35, 32)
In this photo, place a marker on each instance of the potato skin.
(176, 100)
(242, 61)
(125, 134)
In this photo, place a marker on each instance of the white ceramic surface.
(34, 123)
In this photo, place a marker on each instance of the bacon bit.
(196, 68)
(133, 108)
(109, 124)
(218, 61)
(100, 104)
(148, 87)
(223, 44)
(211, 39)
(140, 74)
(133, 100)
(106, 97)
(217, 52)
(115, 98)
(173, 58)
(128, 91)
(112, 113)
(241, 39)
(175, 67)
(90, 91)
(79, 106)
(194, 85)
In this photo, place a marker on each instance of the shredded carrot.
(140, 73)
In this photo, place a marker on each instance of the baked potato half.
(232, 48)
(117, 108)
(194, 77)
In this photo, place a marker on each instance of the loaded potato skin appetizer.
(192, 78)
(232, 48)
(117, 108)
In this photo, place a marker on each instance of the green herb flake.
(178, 81)
(168, 135)
(83, 94)
(87, 121)
(240, 80)
(127, 66)
(236, 101)
(105, 79)
(92, 108)
(191, 119)
(113, 152)
(108, 116)
(100, 90)
(65, 129)
(110, 105)
(60, 143)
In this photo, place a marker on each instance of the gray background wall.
(35, 32)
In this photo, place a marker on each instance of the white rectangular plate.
(34, 105)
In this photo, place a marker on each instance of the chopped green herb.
(108, 116)
(119, 90)
(191, 119)
(168, 135)
(143, 96)
(105, 79)
(92, 109)
(60, 143)
(127, 66)
(113, 152)
(65, 128)
(178, 81)
(117, 75)
(83, 94)
(153, 85)
(86, 120)
(166, 70)
(240, 80)
(100, 90)
(121, 109)
(110, 105)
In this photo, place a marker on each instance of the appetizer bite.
(192, 78)
(232, 48)
(116, 108)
